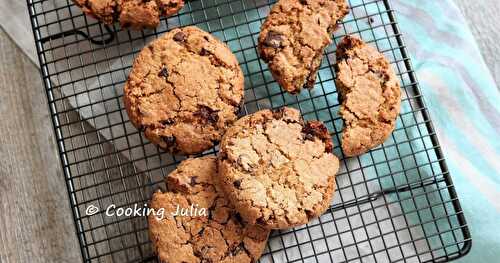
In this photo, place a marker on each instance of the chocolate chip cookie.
(194, 234)
(184, 90)
(136, 14)
(370, 96)
(294, 36)
(276, 170)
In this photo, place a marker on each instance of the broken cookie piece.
(184, 90)
(278, 171)
(136, 14)
(194, 222)
(294, 36)
(370, 96)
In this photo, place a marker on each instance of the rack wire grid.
(395, 203)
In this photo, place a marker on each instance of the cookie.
(278, 171)
(209, 230)
(370, 96)
(294, 36)
(136, 14)
(184, 90)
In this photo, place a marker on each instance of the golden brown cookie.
(184, 90)
(278, 171)
(136, 14)
(216, 235)
(370, 95)
(294, 36)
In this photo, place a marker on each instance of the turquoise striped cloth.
(464, 103)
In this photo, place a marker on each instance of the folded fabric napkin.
(459, 91)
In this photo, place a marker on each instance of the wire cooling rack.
(395, 203)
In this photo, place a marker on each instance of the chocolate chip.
(336, 68)
(237, 184)
(309, 137)
(167, 122)
(169, 140)
(180, 36)
(238, 109)
(309, 132)
(278, 113)
(206, 113)
(193, 180)
(261, 221)
(273, 39)
(340, 98)
(172, 4)
(385, 76)
(238, 218)
(163, 72)
(204, 52)
(304, 2)
(316, 129)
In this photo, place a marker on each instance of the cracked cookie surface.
(221, 236)
(294, 36)
(370, 96)
(185, 89)
(136, 14)
(278, 171)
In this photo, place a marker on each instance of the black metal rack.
(395, 203)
